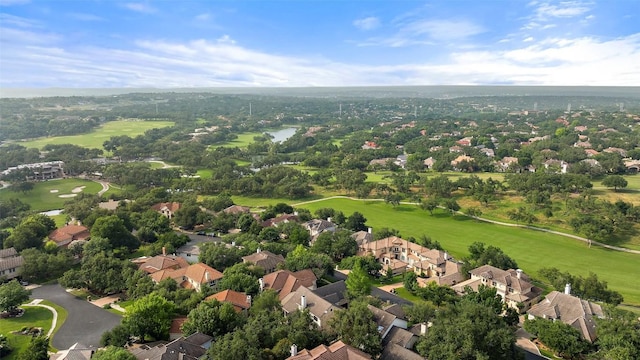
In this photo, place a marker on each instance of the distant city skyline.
(166, 44)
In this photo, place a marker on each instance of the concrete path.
(54, 322)
(109, 300)
(585, 240)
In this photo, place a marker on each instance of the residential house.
(65, 235)
(240, 301)
(317, 226)
(569, 309)
(284, 281)
(429, 162)
(336, 351)
(461, 159)
(583, 144)
(370, 145)
(10, 263)
(200, 274)
(591, 152)
(557, 166)
(386, 321)
(160, 262)
(456, 149)
(633, 166)
(75, 352)
(362, 237)
(302, 298)
(397, 345)
(401, 161)
(167, 209)
(513, 286)
(380, 163)
(465, 141)
(507, 163)
(336, 293)
(401, 255)
(282, 219)
(237, 209)
(489, 152)
(620, 151)
(264, 259)
(193, 347)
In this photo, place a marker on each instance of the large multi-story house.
(401, 255)
(512, 285)
(187, 276)
(10, 263)
(167, 209)
(39, 171)
(65, 235)
(264, 259)
(569, 309)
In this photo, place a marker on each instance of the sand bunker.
(67, 195)
(53, 191)
(78, 189)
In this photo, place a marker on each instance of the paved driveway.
(85, 322)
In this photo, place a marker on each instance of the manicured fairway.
(242, 141)
(531, 249)
(46, 195)
(96, 138)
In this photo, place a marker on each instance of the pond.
(282, 134)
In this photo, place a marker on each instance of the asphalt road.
(85, 323)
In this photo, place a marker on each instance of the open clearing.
(96, 138)
(532, 250)
(42, 198)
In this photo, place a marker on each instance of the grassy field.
(531, 249)
(41, 198)
(96, 138)
(242, 141)
(33, 317)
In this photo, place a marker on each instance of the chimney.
(164, 251)
(258, 251)
(519, 273)
(294, 350)
(567, 289)
(249, 299)
(370, 230)
(423, 328)
(446, 256)
(261, 282)
(303, 302)
(295, 213)
(206, 276)
(329, 219)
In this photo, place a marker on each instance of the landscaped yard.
(96, 138)
(52, 194)
(531, 249)
(33, 317)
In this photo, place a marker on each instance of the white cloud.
(564, 9)
(413, 31)
(368, 23)
(528, 39)
(34, 59)
(13, 20)
(141, 8)
(203, 17)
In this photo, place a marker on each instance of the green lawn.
(41, 198)
(242, 141)
(531, 249)
(96, 138)
(33, 317)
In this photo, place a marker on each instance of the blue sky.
(110, 43)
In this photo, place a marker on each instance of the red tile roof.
(237, 299)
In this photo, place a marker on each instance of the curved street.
(85, 322)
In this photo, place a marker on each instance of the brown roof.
(10, 252)
(163, 262)
(397, 352)
(176, 325)
(66, 234)
(202, 273)
(177, 275)
(236, 209)
(336, 351)
(317, 306)
(11, 262)
(284, 281)
(264, 259)
(284, 218)
(171, 206)
(506, 277)
(570, 310)
(237, 299)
